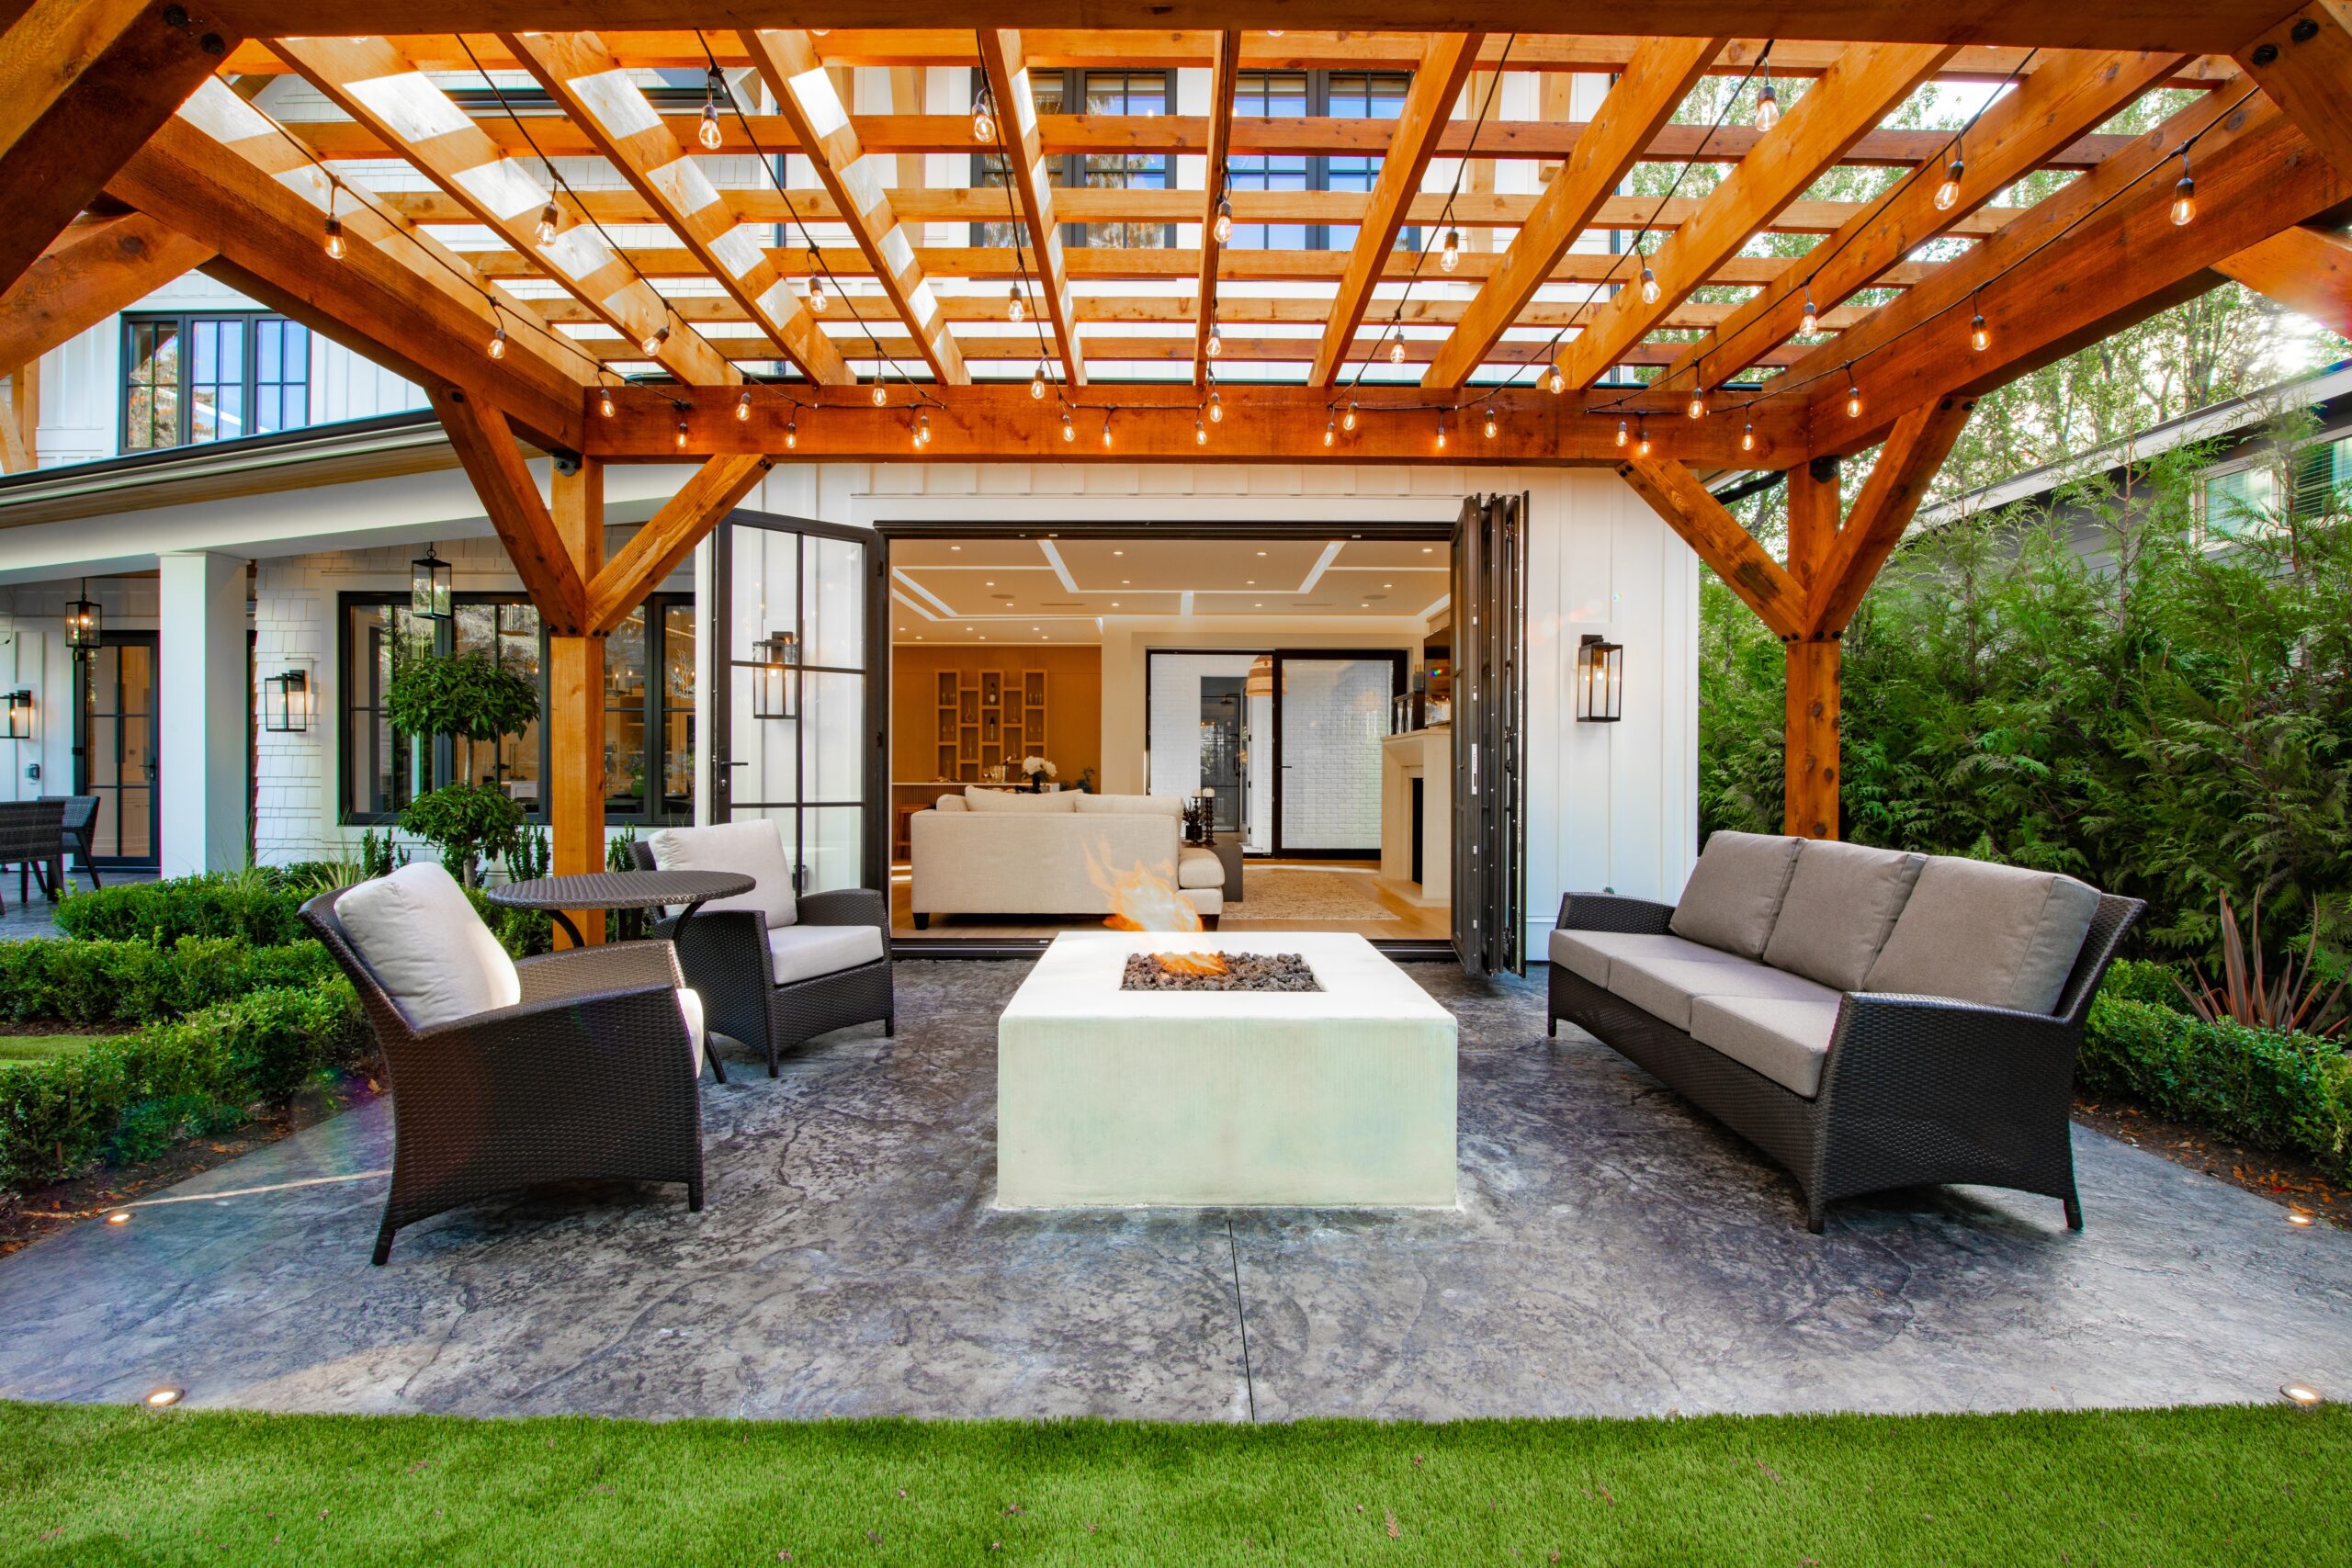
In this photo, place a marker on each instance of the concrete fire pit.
(1340, 1098)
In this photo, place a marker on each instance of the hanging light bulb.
(1330, 431)
(682, 435)
(1623, 432)
(922, 430)
(984, 117)
(743, 406)
(604, 402)
(1980, 336)
(1216, 345)
(497, 346)
(1397, 351)
(707, 132)
(1948, 193)
(549, 223)
(792, 433)
(1016, 310)
(1451, 257)
(1223, 227)
(1747, 437)
(1348, 420)
(337, 249)
(1642, 443)
(1767, 106)
(1697, 407)
(1440, 433)
(1200, 432)
(1106, 427)
(1037, 382)
(1493, 424)
(881, 393)
(1069, 432)
(1811, 322)
(1650, 289)
(1853, 396)
(1216, 408)
(817, 301)
(651, 344)
(2184, 196)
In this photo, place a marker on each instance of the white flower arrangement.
(1033, 766)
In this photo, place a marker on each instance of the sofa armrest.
(1613, 912)
(610, 966)
(1922, 1061)
(847, 906)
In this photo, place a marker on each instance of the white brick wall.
(1174, 722)
(1333, 714)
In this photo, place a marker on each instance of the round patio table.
(619, 890)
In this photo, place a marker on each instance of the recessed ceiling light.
(1115, 604)
(1118, 552)
(1388, 585)
(1251, 583)
(954, 546)
(1261, 552)
(1428, 549)
(989, 583)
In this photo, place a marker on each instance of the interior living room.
(1254, 726)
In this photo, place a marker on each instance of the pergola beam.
(98, 266)
(381, 87)
(1224, 73)
(1835, 113)
(488, 449)
(2304, 62)
(2307, 270)
(1007, 71)
(1655, 83)
(2050, 108)
(83, 84)
(788, 62)
(581, 74)
(1429, 104)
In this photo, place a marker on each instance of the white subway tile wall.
(1333, 714)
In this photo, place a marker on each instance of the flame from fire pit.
(1140, 899)
(1191, 963)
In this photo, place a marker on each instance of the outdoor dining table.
(619, 890)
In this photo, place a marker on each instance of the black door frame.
(152, 642)
(874, 849)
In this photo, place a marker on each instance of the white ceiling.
(1059, 590)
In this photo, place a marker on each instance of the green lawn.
(41, 1047)
(2205, 1486)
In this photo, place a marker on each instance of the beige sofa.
(1002, 852)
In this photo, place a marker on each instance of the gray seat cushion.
(2000, 935)
(1664, 987)
(1841, 903)
(1587, 953)
(1784, 1038)
(1735, 892)
(804, 953)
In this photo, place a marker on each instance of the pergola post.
(1810, 726)
(575, 784)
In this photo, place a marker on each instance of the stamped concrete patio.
(1614, 1253)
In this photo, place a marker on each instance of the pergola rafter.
(1007, 72)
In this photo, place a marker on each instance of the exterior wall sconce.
(430, 584)
(20, 714)
(286, 702)
(1601, 679)
(775, 676)
(83, 621)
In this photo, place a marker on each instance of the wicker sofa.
(1868, 1019)
(1001, 853)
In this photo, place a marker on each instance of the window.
(191, 379)
(383, 770)
(2240, 501)
(1274, 95)
(2323, 476)
(1094, 92)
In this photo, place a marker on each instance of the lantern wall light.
(775, 676)
(83, 621)
(20, 714)
(286, 702)
(431, 585)
(1601, 679)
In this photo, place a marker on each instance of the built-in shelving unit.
(987, 718)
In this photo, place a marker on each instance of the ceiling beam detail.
(1007, 72)
(2307, 270)
(2304, 64)
(98, 266)
(1746, 568)
(1914, 450)
(1224, 73)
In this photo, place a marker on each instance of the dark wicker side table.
(619, 890)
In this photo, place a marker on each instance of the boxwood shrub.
(259, 907)
(139, 982)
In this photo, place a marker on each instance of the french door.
(1490, 714)
(114, 749)
(801, 747)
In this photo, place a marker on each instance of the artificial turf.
(41, 1047)
(2209, 1486)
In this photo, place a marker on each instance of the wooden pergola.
(712, 300)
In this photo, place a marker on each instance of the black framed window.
(1275, 94)
(648, 691)
(192, 379)
(1359, 95)
(1078, 91)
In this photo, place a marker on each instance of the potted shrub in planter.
(464, 696)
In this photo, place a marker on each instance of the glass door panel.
(1331, 712)
(114, 752)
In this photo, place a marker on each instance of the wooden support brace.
(493, 461)
(98, 266)
(669, 536)
(1920, 442)
(1746, 566)
(2307, 270)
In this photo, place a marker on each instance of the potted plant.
(464, 696)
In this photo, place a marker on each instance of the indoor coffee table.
(1342, 1098)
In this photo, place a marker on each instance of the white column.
(202, 701)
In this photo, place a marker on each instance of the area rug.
(1293, 892)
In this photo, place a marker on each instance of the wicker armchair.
(32, 839)
(587, 1078)
(726, 958)
(1915, 1090)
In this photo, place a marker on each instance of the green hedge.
(131, 1099)
(2288, 1093)
(259, 907)
(139, 982)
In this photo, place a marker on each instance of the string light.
(1016, 310)
(1747, 437)
(1216, 408)
(881, 393)
(1560, 381)
(1980, 336)
(1069, 432)
(1853, 395)
(1642, 443)
(1348, 420)
(682, 435)
(1397, 351)
(1697, 407)
(1106, 427)
(743, 406)
(1037, 382)
(1200, 432)
(1216, 345)
(1223, 227)
(549, 225)
(1440, 431)
(1451, 257)
(1811, 322)
(1768, 100)
(337, 249)
(922, 430)
(1330, 431)
(2184, 195)
(651, 344)
(707, 132)
(1492, 425)
(792, 433)
(984, 117)
(817, 301)
(1948, 193)
(604, 402)
(497, 346)
(1622, 432)
(1650, 290)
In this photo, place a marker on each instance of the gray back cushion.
(1841, 904)
(1996, 934)
(1735, 892)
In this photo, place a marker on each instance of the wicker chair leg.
(1815, 1215)
(710, 1053)
(890, 1024)
(1552, 1027)
(693, 1195)
(384, 1240)
(2073, 1212)
(772, 1057)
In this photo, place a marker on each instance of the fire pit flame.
(1191, 963)
(1142, 900)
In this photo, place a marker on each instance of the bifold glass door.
(1489, 714)
(799, 713)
